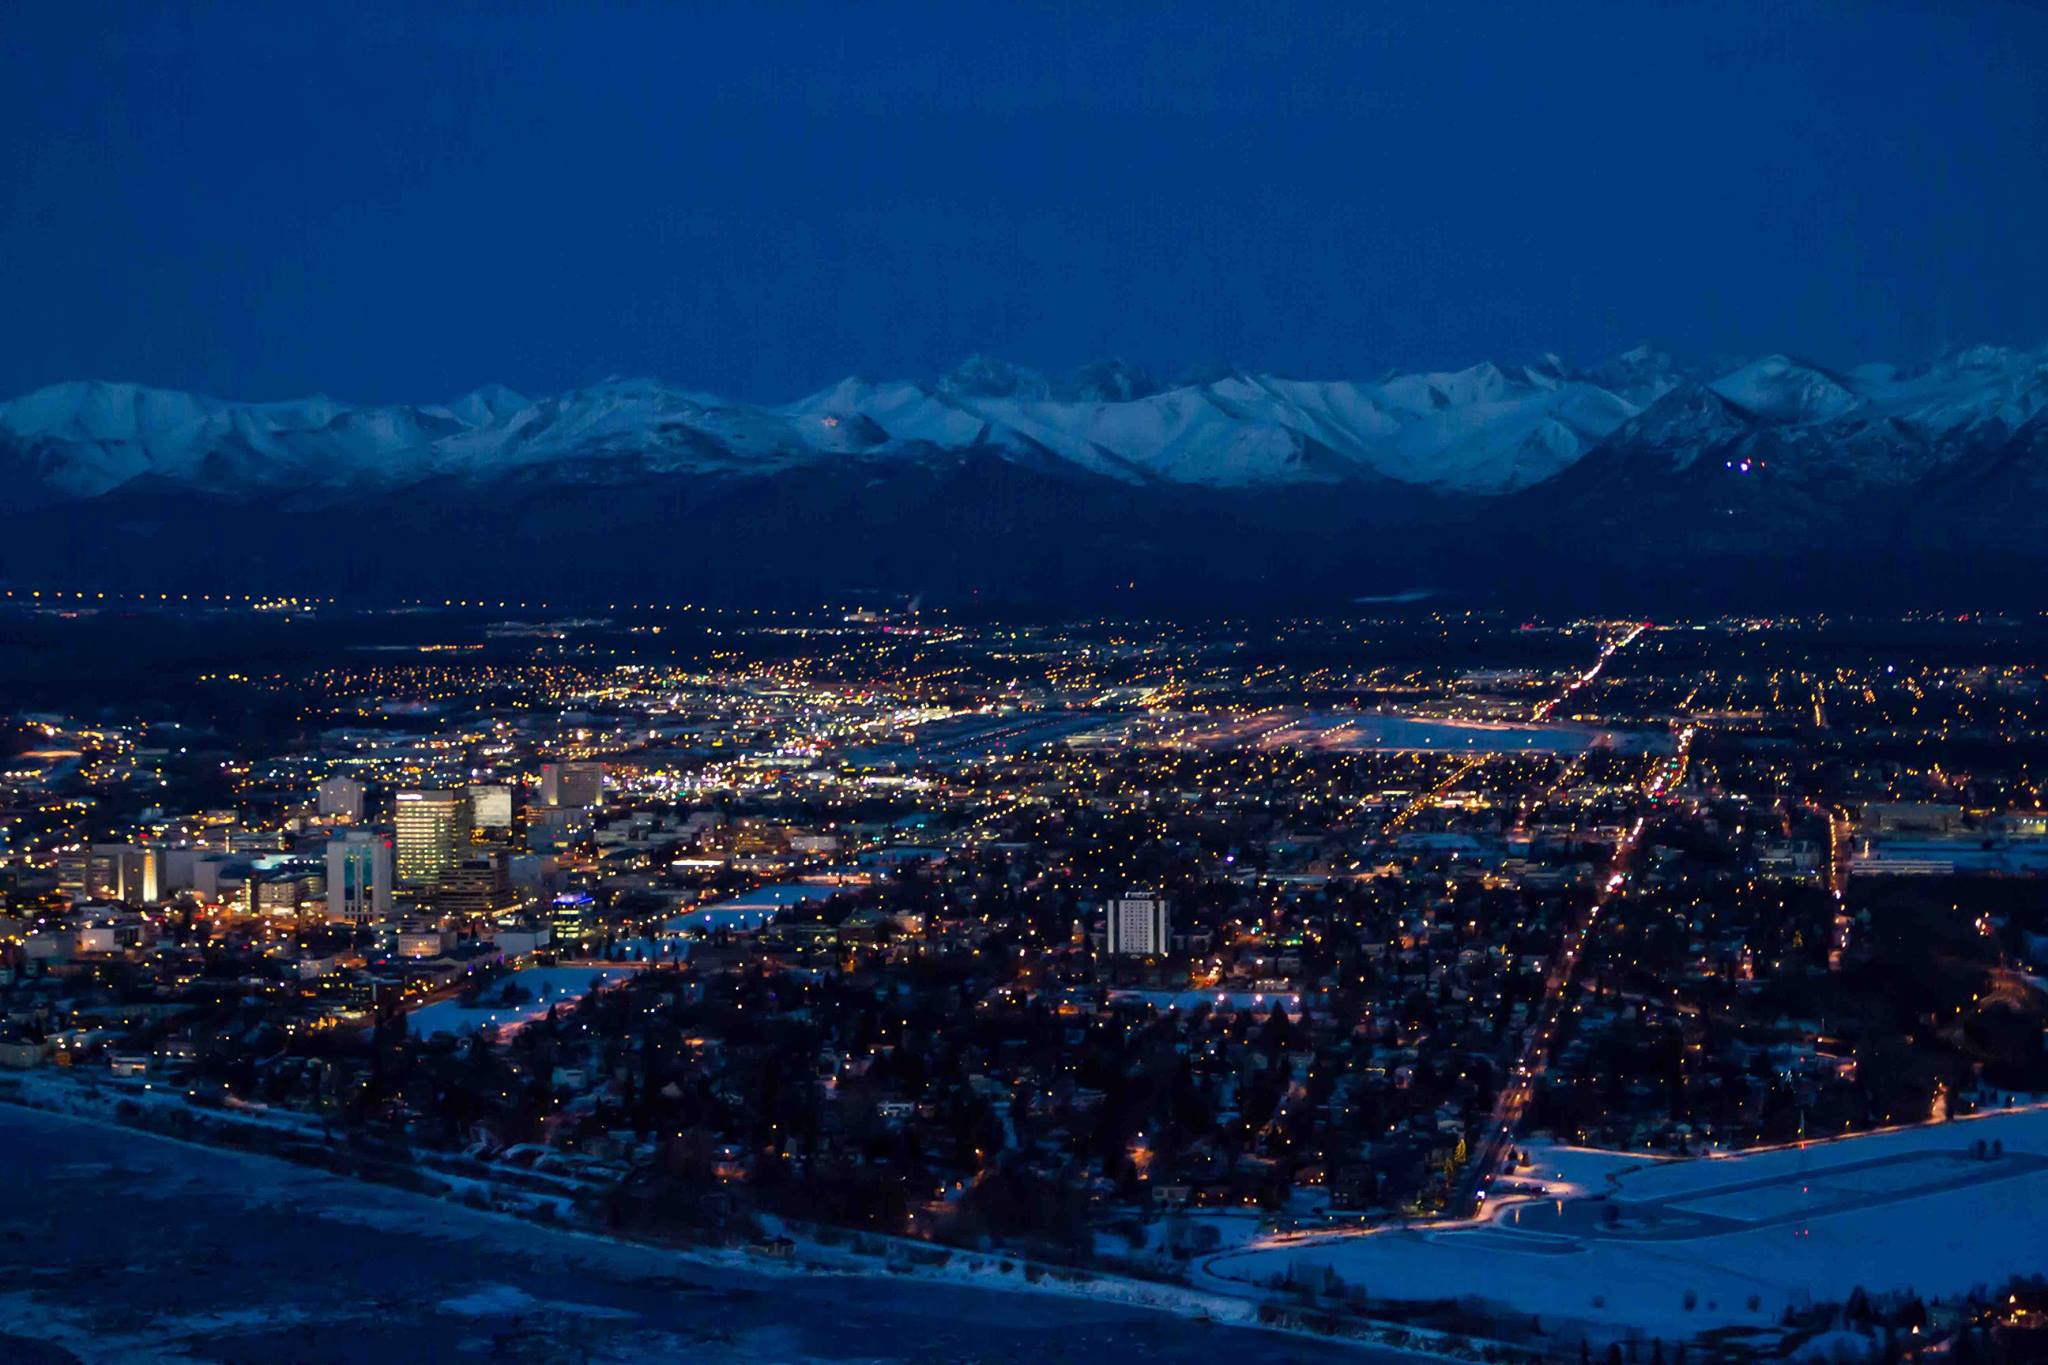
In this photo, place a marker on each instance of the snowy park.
(509, 1004)
(1673, 1248)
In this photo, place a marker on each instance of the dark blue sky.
(383, 204)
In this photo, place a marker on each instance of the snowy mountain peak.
(1109, 381)
(1486, 429)
(1642, 374)
(981, 376)
(490, 403)
(95, 410)
(1684, 422)
(1787, 390)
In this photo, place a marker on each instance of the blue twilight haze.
(387, 203)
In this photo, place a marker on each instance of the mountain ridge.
(1488, 429)
(1639, 482)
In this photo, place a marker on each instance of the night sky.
(380, 204)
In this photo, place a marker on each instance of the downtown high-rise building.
(478, 885)
(359, 878)
(1138, 923)
(433, 835)
(124, 872)
(490, 808)
(573, 785)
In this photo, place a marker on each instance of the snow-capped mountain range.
(1488, 430)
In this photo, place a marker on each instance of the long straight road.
(1496, 1139)
(1837, 875)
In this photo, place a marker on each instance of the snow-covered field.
(1743, 1237)
(130, 1247)
(1261, 1002)
(751, 910)
(539, 988)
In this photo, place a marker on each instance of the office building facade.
(572, 785)
(1138, 923)
(433, 832)
(359, 878)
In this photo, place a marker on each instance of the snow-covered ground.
(539, 988)
(1261, 1002)
(31, 1102)
(750, 910)
(1567, 1171)
(1741, 1237)
(129, 1247)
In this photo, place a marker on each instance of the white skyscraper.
(1137, 923)
(359, 878)
(490, 806)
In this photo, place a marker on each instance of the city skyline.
(1024, 683)
(1308, 972)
